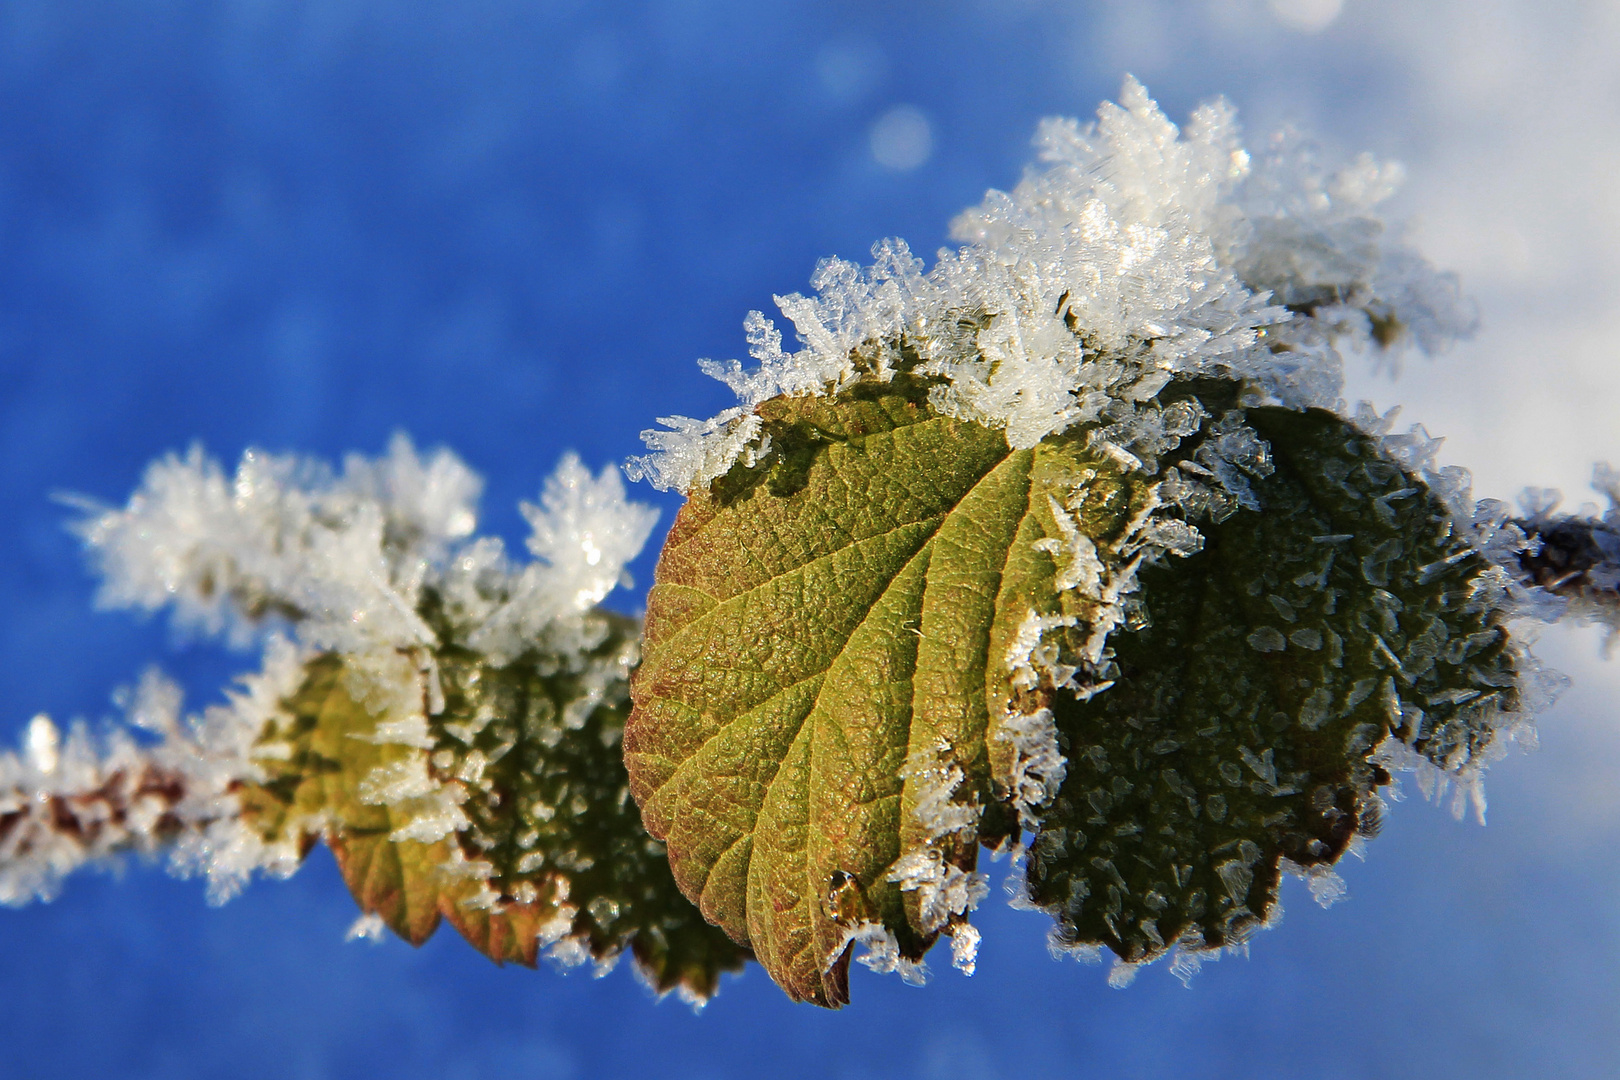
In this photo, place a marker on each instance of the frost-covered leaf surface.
(1246, 732)
(916, 551)
(894, 638)
(321, 753)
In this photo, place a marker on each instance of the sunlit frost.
(1132, 251)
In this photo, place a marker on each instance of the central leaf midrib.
(811, 881)
(985, 629)
(925, 548)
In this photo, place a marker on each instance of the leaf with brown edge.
(511, 933)
(816, 652)
(396, 880)
(402, 881)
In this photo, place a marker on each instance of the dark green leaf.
(1239, 731)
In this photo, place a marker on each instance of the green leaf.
(314, 792)
(819, 732)
(817, 624)
(532, 750)
(1276, 659)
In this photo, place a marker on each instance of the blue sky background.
(510, 227)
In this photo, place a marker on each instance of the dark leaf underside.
(1239, 731)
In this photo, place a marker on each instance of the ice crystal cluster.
(345, 558)
(64, 803)
(1133, 254)
(1576, 557)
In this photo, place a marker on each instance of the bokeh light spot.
(902, 139)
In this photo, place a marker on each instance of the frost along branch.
(446, 719)
(1576, 556)
(1069, 546)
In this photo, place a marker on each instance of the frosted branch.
(377, 564)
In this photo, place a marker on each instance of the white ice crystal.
(943, 889)
(343, 556)
(965, 948)
(344, 560)
(584, 532)
(945, 892)
(880, 952)
(1584, 581)
(1038, 766)
(1326, 886)
(1133, 252)
(307, 560)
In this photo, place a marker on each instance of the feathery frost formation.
(376, 564)
(347, 558)
(64, 803)
(1576, 557)
(1134, 253)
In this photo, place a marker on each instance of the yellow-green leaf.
(817, 624)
